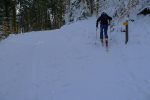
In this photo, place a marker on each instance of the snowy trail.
(66, 64)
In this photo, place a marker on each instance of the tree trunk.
(91, 6)
(14, 24)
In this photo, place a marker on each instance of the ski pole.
(96, 33)
(110, 29)
(110, 32)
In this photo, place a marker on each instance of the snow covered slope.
(66, 64)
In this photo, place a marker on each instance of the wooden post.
(126, 31)
(127, 36)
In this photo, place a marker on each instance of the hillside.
(70, 64)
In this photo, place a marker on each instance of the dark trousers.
(103, 30)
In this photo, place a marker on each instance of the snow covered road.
(66, 64)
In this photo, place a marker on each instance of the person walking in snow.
(104, 20)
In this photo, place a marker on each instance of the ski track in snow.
(66, 64)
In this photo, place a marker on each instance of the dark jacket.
(103, 19)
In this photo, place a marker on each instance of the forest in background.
(18, 16)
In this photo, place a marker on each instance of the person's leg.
(105, 31)
(101, 33)
(106, 35)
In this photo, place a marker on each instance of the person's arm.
(109, 18)
(98, 21)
